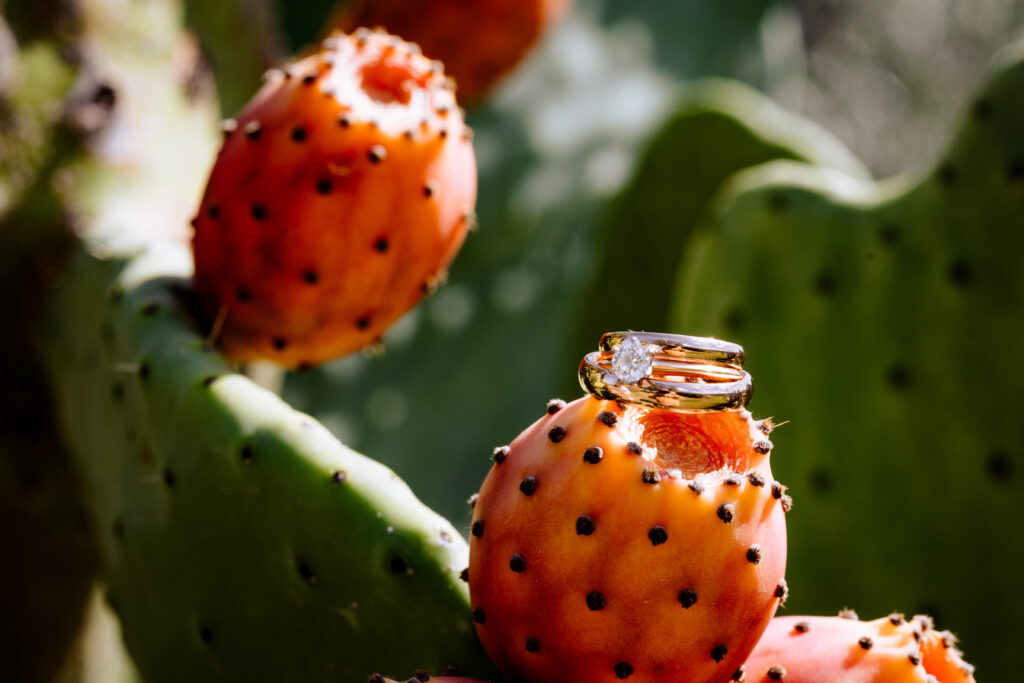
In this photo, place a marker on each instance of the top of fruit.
(378, 78)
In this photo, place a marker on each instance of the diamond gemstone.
(631, 362)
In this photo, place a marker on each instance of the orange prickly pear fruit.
(843, 648)
(342, 192)
(613, 541)
(478, 41)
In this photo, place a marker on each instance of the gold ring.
(671, 371)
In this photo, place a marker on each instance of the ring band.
(680, 345)
(672, 371)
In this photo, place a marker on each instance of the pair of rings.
(671, 371)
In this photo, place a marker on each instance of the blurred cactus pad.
(239, 535)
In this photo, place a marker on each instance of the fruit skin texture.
(585, 571)
(341, 194)
(846, 650)
(478, 41)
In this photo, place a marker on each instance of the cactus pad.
(242, 540)
(884, 320)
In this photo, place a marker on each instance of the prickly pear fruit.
(477, 41)
(888, 650)
(626, 542)
(341, 194)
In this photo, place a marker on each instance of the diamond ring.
(672, 371)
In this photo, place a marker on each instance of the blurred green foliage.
(50, 561)
(720, 127)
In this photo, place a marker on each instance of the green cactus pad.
(885, 321)
(242, 540)
(719, 128)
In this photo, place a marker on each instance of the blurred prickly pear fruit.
(614, 541)
(341, 194)
(843, 648)
(478, 41)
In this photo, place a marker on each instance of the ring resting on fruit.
(673, 371)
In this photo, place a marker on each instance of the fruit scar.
(613, 542)
(341, 194)
(846, 650)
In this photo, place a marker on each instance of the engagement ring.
(672, 371)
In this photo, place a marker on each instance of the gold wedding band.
(673, 371)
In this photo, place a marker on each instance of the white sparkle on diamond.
(631, 362)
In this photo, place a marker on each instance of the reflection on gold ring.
(683, 373)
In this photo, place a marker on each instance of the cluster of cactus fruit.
(609, 541)
(613, 540)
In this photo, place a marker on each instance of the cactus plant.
(887, 318)
(224, 518)
(240, 540)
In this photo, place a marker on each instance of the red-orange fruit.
(613, 542)
(846, 650)
(342, 192)
(478, 41)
